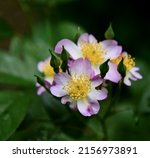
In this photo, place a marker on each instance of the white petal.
(127, 80)
(135, 73)
(70, 47)
(58, 91)
(98, 94)
(88, 107)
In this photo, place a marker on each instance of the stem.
(113, 101)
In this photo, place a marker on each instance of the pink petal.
(96, 81)
(70, 47)
(113, 52)
(108, 43)
(83, 38)
(61, 78)
(86, 38)
(58, 91)
(40, 66)
(81, 67)
(92, 39)
(98, 94)
(40, 89)
(66, 99)
(113, 74)
(88, 107)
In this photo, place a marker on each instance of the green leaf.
(13, 107)
(64, 58)
(122, 69)
(14, 71)
(104, 68)
(109, 34)
(55, 61)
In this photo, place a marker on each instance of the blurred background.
(28, 28)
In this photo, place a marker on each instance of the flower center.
(78, 87)
(93, 51)
(47, 69)
(117, 60)
(129, 62)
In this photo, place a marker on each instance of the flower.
(88, 47)
(79, 87)
(47, 70)
(131, 71)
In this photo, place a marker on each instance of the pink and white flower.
(131, 71)
(45, 68)
(88, 47)
(79, 87)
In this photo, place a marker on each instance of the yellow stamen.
(78, 87)
(47, 69)
(129, 62)
(93, 51)
(117, 60)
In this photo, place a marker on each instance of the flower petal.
(85, 37)
(66, 99)
(40, 66)
(135, 73)
(114, 52)
(88, 107)
(96, 69)
(70, 47)
(98, 94)
(113, 74)
(96, 81)
(58, 91)
(61, 79)
(81, 67)
(40, 89)
(92, 39)
(126, 79)
(108, 43)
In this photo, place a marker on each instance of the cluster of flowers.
(90, 65)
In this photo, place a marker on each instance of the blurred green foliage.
(26, 116)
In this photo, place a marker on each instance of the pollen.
(78, 87)
(93, 51)
(47, 69)
(129, 62)
(117, 60)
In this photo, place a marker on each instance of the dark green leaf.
(13, 107)
(122, 69)
(104, 68)
(55, 61)
(64, 59)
